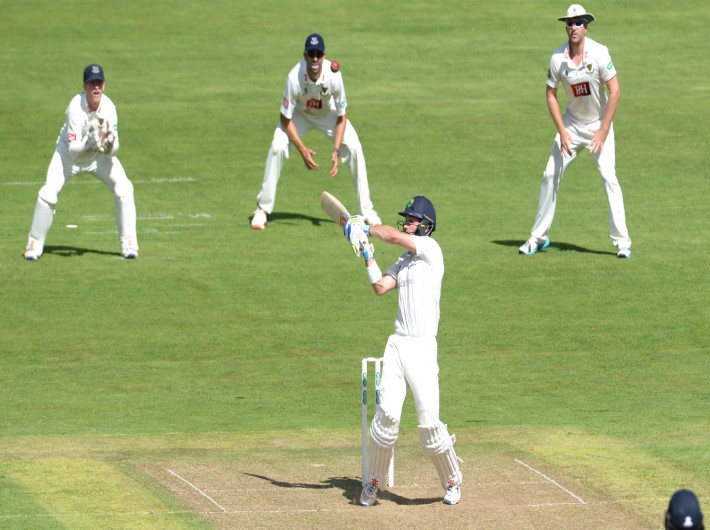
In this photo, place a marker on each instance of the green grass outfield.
(219, 335)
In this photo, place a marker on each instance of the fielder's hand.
(93, 141)
(107, 144)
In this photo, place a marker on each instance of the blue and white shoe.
(531, 246)
(453, 494)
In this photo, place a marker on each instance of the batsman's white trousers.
(350, 154)
(411, 362)
(108, 170)
(557, 164)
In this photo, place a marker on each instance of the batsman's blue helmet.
(684, 512)
(421, 208)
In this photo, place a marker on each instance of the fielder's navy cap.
(684, 512)
(93, 72)
(315, 42)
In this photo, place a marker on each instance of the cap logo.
(314, 41)
(410, 203)
(95, 69)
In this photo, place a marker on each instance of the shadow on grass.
(351, 488)
(70, 252)
(285, 217)
(565, 247)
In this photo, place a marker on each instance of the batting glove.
(367, 250)
(356, 224)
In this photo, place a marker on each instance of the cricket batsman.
(410, 357)
(87, 143)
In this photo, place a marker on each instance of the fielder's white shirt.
(584, 84)
(314, 98)
(419, 277)
(72, 138)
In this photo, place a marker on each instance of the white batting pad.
(383, 434)
(438, 444)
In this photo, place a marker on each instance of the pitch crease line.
(568, 492)
(198, 490)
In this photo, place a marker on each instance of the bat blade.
(334, 208)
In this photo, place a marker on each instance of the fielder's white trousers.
(351, 155)
(411, 362)
(108, 170)
(557, 164)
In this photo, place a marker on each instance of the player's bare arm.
(306, 153)
(337, 143)
(600, 135)
(554, 107)
(389, 234)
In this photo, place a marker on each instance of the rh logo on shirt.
(314, 104)
(581, 89)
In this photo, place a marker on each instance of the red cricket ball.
(334, 66)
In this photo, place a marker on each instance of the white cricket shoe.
(624, 253)
(129, 250)
(373, 219)
(32, 252)
(259, 221)
(453, 494)
(368, 497)
(531, 246)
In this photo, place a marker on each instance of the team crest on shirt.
(324, 90)
(590, 68)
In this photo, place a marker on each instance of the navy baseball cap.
(94, 72)
(315, 42)
(684, 512)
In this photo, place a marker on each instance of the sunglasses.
(314, 53)
(579, 22)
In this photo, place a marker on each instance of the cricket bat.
(334, 208)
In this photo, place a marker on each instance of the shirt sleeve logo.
(285, 103)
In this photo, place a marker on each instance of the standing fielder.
(410, 358)
(87, 143)
(314, 97)
(584, 67)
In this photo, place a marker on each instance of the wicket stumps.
(378, 362)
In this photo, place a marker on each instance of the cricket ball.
(334, 66)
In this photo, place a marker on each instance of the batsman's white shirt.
(584, 84)
(419, 276)
(75, 132)
(411, 352)
(317, 98)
